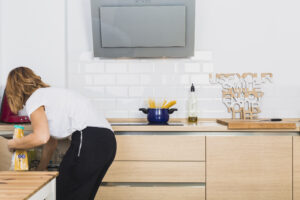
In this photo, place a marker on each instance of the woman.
(55, 114)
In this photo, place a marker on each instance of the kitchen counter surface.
(203, 125)
(23, 185)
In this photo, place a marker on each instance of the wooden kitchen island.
(203, 161)
(27, 185)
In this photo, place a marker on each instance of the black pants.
(85, 164)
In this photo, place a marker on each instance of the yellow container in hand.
(20, 157)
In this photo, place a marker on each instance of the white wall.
(233, 35)
(1, 59)
(33, 35)
(256, 36)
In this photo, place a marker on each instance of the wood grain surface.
(256, 124)
(22, 185)
(143, 171)
(249, 167)
(296, 167)
(151, 193)
(160, 147)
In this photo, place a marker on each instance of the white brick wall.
(119, 87)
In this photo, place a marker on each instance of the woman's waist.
(94, 132)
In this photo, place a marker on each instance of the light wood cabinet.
(168, 172)
(249, 167)
(151, 193)
(152, 167)
(161, 147)
(296, 167)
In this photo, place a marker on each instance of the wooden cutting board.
(256, 124)
(22, 185)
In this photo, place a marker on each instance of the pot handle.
(170, 111)
(144, 110)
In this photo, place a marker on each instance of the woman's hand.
(40, 135)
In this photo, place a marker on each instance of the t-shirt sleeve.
(35, 101)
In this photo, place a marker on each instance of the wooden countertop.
(22, 185)
(203, 125)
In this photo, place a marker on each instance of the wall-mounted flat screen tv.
(143, 28)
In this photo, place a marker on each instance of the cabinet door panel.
(296, 168)
(141, 171)
(249, 167)
(160, 148)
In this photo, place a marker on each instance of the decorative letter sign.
(242, 93)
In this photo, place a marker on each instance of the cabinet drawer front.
(150, 193)
(139, 171)
(161, 147)
(249, 167)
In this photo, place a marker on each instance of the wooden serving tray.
(256, 124)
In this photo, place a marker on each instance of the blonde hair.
(21, 83)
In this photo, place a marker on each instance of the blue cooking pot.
(158, 116)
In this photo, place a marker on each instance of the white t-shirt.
(66, 110)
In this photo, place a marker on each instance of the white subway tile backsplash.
(170, 92)
(211, 91)
(141, 92)
(165, 67)
(203, 55)
(119, 87)
(208, 67)
(93, 92)
(116, 91)
(200, 79)
(140, 68)
(131, 104)
(164, 92)
(175, 79)
(116, 67)
(128, 79)
(193, 67)
(77, 80)
(211, 104)
(105, 104)
(136, 114)
(93, 68)
(151, 79)
(88, 79)
(179, 114)
(116, 114)
(213, 114)
(181, 105)
(104, 79)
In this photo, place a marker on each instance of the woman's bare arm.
(40, 135)
(47, 153)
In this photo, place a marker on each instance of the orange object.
(20, 157)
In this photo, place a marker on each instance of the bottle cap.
(192, 88)
(18, 126)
